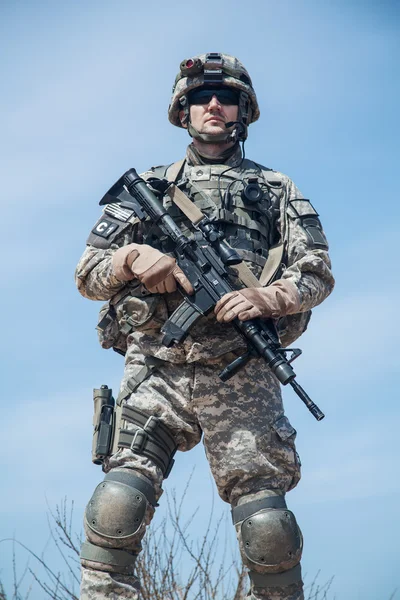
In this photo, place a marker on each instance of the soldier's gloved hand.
(277, 300)
(158, 272)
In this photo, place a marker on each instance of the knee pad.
(271, 539)
(113, 517)
(118, 505)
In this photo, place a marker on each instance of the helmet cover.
(212, 70)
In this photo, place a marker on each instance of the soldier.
(170, 398)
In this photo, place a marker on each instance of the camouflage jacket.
(305, 260)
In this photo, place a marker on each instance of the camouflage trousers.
(249, 444)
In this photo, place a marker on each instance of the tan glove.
(277, 300)
(158, 272)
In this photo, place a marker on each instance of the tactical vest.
(252, 228)
(250, 224)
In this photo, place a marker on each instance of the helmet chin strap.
(237, 133)
(228, 136)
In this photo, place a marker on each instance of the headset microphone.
(240, 131)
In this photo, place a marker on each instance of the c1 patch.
(104, 228)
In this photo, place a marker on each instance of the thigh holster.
(142, 433)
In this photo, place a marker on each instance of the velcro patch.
(316, 236)
(274, 181)
(302, 207)
(104, 228)
(115, 210)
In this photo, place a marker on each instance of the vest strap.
(257, 259)
(230, 217)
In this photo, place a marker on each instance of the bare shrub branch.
(207, 574)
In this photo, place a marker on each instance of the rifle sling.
(195, 215)
(185, 204)
(274, 260)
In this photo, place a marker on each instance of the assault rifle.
(206, 263)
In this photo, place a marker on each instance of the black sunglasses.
(204, 96)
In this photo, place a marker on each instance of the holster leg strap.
(150, 438)
(137, 378)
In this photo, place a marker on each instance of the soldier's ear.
(182, 118)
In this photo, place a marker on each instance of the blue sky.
(85, 93)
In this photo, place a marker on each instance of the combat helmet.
(214, 70)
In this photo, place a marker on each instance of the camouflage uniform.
(249, 441)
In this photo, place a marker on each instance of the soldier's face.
(210, 118)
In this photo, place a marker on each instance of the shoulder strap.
(170, 172)
(173, 172)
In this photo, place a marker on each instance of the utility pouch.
(130, 310)
(103, 424)
(108, 331)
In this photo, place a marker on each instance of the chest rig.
(245, 201)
